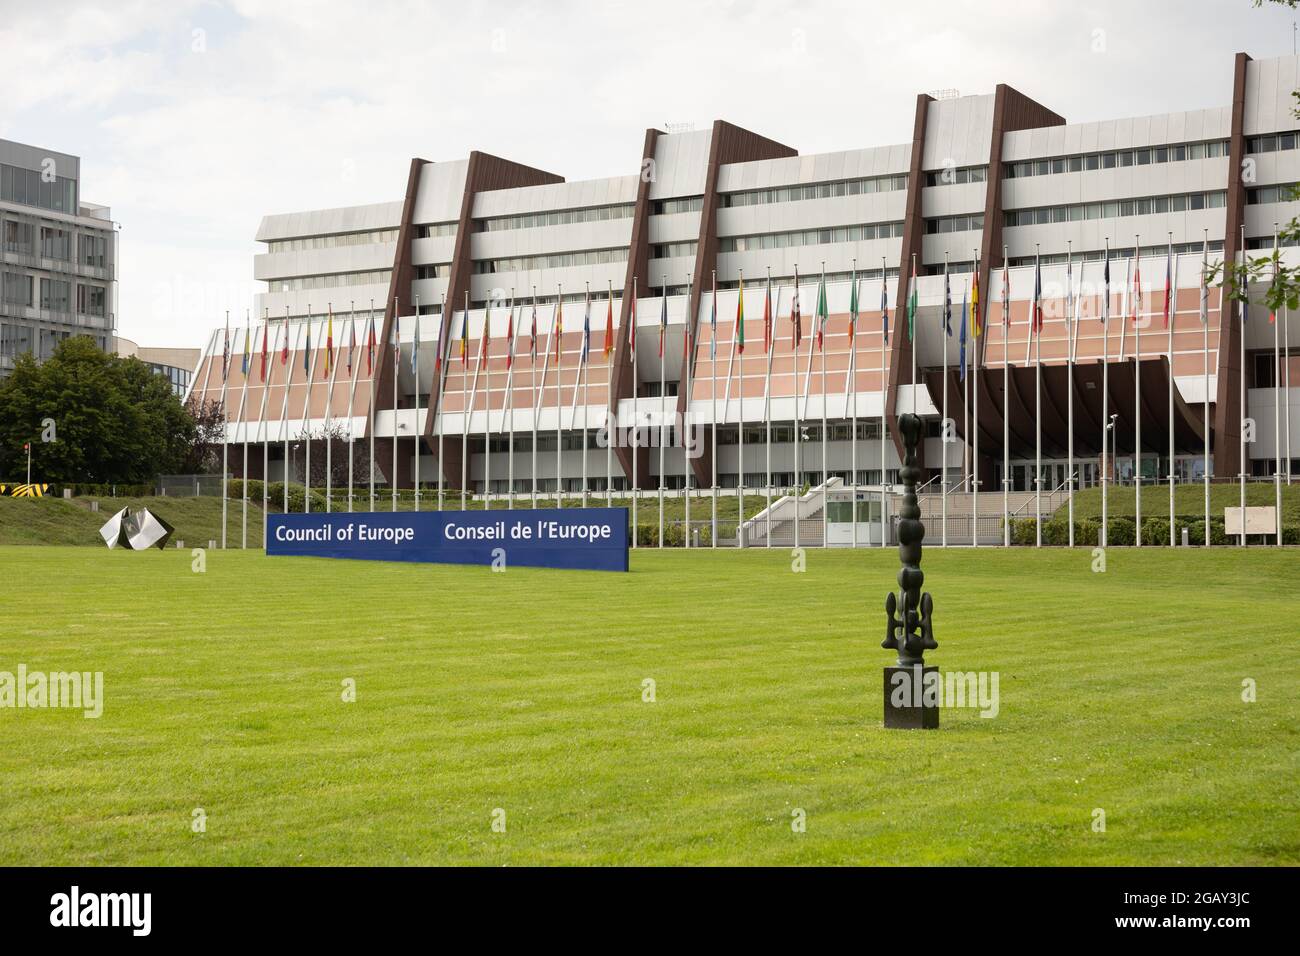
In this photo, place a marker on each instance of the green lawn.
(522, 691)
(1189, 499)
(58, 521)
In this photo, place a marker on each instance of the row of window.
(435, 230)
(558, 217)
(842, 187)
(372, 237)
(55, 294)
(1282, 192)
(668, 207)
(558, 260)
(811, 237)
(957, 177)
(1117, 253)
(954, 223)
(784, 281)
(674, 250)
(332, 281)
(1147, 206)
(438, 270)
(1112, 159)
(1272, 142)
(55, 243)
(31, 188)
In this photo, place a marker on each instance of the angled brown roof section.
(484, 173)
(638, 265)
(1012, 110)
(900, 351)
(1227, 401)
(728, 144)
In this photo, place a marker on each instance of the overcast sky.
(194, 118)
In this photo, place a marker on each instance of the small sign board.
(1259, 520)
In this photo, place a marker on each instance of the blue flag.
(947, 303)
(884, 305)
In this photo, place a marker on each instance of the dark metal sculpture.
(913, 633)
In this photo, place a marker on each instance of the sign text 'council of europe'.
(592, 539)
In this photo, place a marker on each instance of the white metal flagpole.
(1006, 397)
(1171, 317)
(287, 358)
(243, 424)
(738, 349)
(355, 368)
(769, 341)
(978, 322)
(309, 365)
(797, 319)
(442, 358)
(823, 320)
(1205, 373)
(610, 423)
(397, 367)
(511, 333)
(485, 363)
(1242, 311)
(884, 389)
(851, 395)
(635, 442)
(370, 404)
(1105, 386)
(1037, 323)
(557, 333)
(1277, 406)
(663, 408)
(713, 399)
(329, 420)
(943, 467)
(418, 427)
(225, 429)
(1072, 325)
(536, 395)
(1137, 388)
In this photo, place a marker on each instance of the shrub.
(1087, 531)
(1120, 532)
(1290, 534)
(1155, 531)
(1024, 531)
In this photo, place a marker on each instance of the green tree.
(113, 419)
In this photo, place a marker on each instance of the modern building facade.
(175, 365)
(987, 182)
(58, 256)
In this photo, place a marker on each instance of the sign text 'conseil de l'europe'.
(594, 539)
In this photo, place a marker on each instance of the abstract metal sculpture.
(912, 632)
(136, 532)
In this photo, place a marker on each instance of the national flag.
(913, 303)
(248, 333)
(663, 318)
(464, 336)
(485, 340)
(306, 353)
(284, 349)
(1006, 296)
(1105, 289)
(370, 345)
(1069, 291)
(510, 338)
(1169, 284)
(225, 350)
(738, 333)
(586, 331)
(767, 317)
(352, 342)
(532, 332)
(265, 325)
(686, 330)
(609, 321)
(853, 308)
(884, 305)
(962, 338)
(559, 324)
(1272, 310)
(977, 324)
(1037, 315)
(631, 326)
(713, 320)
(947, 302)
(415, 346)
(796, 320)
(1137, 285)
(1205, 284)
(823, 313)
(329, 345)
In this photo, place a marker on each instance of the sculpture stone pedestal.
(908, 703)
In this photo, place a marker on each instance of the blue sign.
(592, 539)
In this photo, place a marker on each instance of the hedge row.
(1122, 531)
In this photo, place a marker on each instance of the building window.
(674, 250)
(559, 260)
(92, 250)
(1116, 253)
(957, 177)
(436, 230)
(669, 207)
(842, 187)
(56, 243)
(955, 223)
(1183, 202)
(91, 299)
(20, 237)
(557, 217)
(1269, 194)
(55, 295)
(31, 188)
(1086, 162)
(1272, 142)
(811, 237)
(17, 289)
(333, 281)
(332, 241)
(438, 270)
